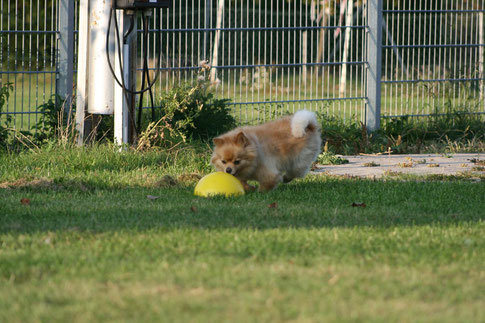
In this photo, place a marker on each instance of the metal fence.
(271, 57)
(434, 56)
(28, 51)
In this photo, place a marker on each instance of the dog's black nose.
(229, 170)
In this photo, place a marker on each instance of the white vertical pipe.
(101, 82)
(119, 98)
(215, 52)
(304, 59)
(349, 17)
(81, 99)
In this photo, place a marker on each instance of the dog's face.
(233, 154)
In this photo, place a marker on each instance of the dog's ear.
(218, 141)
(241, 139)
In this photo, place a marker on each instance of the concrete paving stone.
(418, 164)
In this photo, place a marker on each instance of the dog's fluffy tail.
(302, 122)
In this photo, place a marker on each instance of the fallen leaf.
(25, 201)
(152, 197)
(358, 204)
(273, 205)
(193, 209)
(333, 280)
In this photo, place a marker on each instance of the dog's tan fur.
(267, 153)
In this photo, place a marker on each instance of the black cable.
(122, 83)
(150, 92)
(130, 29)
(145, 67)
(145, 72)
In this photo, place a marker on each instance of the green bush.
(190, 111)
(5, 119)
(56, 123)
(346, 137)
(456, 125)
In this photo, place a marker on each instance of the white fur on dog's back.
(300, 121)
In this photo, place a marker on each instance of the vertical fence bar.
(374, 65)
(66, 50)
(481, 60)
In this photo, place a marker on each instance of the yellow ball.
(219, 183)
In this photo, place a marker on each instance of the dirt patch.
(42, 183)
(166, 181)
(189, 178)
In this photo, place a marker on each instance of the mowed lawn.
(81, 242)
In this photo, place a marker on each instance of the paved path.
(423, 164)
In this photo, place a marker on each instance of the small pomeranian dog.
(271, 153)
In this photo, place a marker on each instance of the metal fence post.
(374, 65)
(65, 65)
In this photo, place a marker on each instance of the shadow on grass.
(306, 204)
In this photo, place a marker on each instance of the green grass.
(90, 246)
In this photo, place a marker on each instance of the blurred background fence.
(271, 57)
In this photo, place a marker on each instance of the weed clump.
(453, 131)
(187, 112)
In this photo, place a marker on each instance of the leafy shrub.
(328, 158)
(56, 123)
(347, 138)
(5, 119)
(453, 125)
(190, 111)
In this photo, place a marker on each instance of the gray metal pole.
(65, 66)
(374, 66)
(124, 102)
